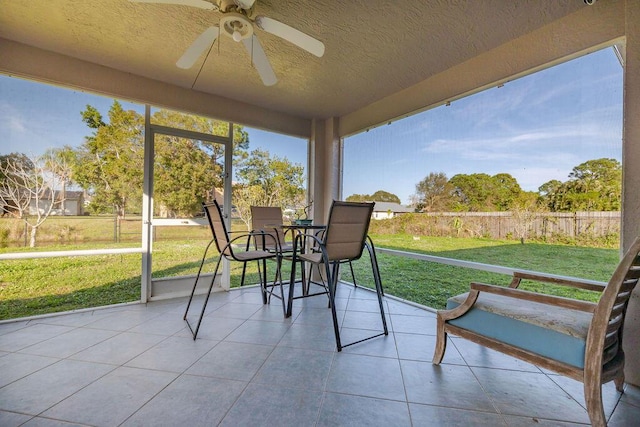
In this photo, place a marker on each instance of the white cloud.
(556, 139)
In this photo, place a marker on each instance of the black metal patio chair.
(225, 246)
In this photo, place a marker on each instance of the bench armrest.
(589, 285)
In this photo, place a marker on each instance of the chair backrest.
(347, 230)
(266, 218)
(605, 332)
(218, 228)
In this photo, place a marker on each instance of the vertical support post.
(147, 207)
(327, 183)
(631, 179)
(228, 201)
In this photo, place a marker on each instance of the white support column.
(315, 160)
(325, 151)
(147, 207)
(631, 177)
(225, 281)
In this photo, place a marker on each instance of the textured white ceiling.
(374, 48)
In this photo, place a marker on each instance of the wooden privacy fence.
(501, 225)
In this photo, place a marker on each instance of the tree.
(525, 210)
(378, 196)
(472, 192)
(385, 196)
(433, 193)
(592, 185)
(267, 180)
(552, 195)
(61, 162)
(110, 162)
(13, 167)
(28, 189)
(506, 191)
(600, 181)
(187, 171)
(185, 175)
(480, 192)
(358, 198)
(207, 126)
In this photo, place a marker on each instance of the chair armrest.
(589, 285)
(312, 237)
(268, 236)
(300, 239)
(246, 234)
(536, 297)
(240, 236)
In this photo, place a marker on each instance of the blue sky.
(35, 117)
(536, 128)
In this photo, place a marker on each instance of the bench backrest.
(604, 340)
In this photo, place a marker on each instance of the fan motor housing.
(233, 21)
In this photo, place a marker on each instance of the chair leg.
(378, 282)
(194, 332)
(441, 342)
(278, 279)
(244, 272)
(336, 275)
(332, 281)
(195, 284)
(353, 276)
(244, 267)
(374, 259)
(305, 279)
(292, 281)
(263, 279)
(593, 399)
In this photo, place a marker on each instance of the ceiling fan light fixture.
(237, 22)
(236, 26)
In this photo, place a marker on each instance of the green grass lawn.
(38, 286)
(431, 284)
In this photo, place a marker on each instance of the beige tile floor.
(137, 365)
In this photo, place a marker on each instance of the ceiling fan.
(239, 23)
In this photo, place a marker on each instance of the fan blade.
(260, 60)
(194, 51)
(202, 4)
(292, 35)
(244, 4)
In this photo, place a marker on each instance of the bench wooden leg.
(441, 342)
(593, 399)
(619, 382)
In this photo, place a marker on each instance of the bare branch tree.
(28, 190)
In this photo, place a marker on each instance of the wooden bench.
(577, 339)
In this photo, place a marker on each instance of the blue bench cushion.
(554, 332)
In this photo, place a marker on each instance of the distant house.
(8, 208)
(386, 210)
(73, 203)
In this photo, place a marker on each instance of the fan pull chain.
(252, 63)
(204, 62)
